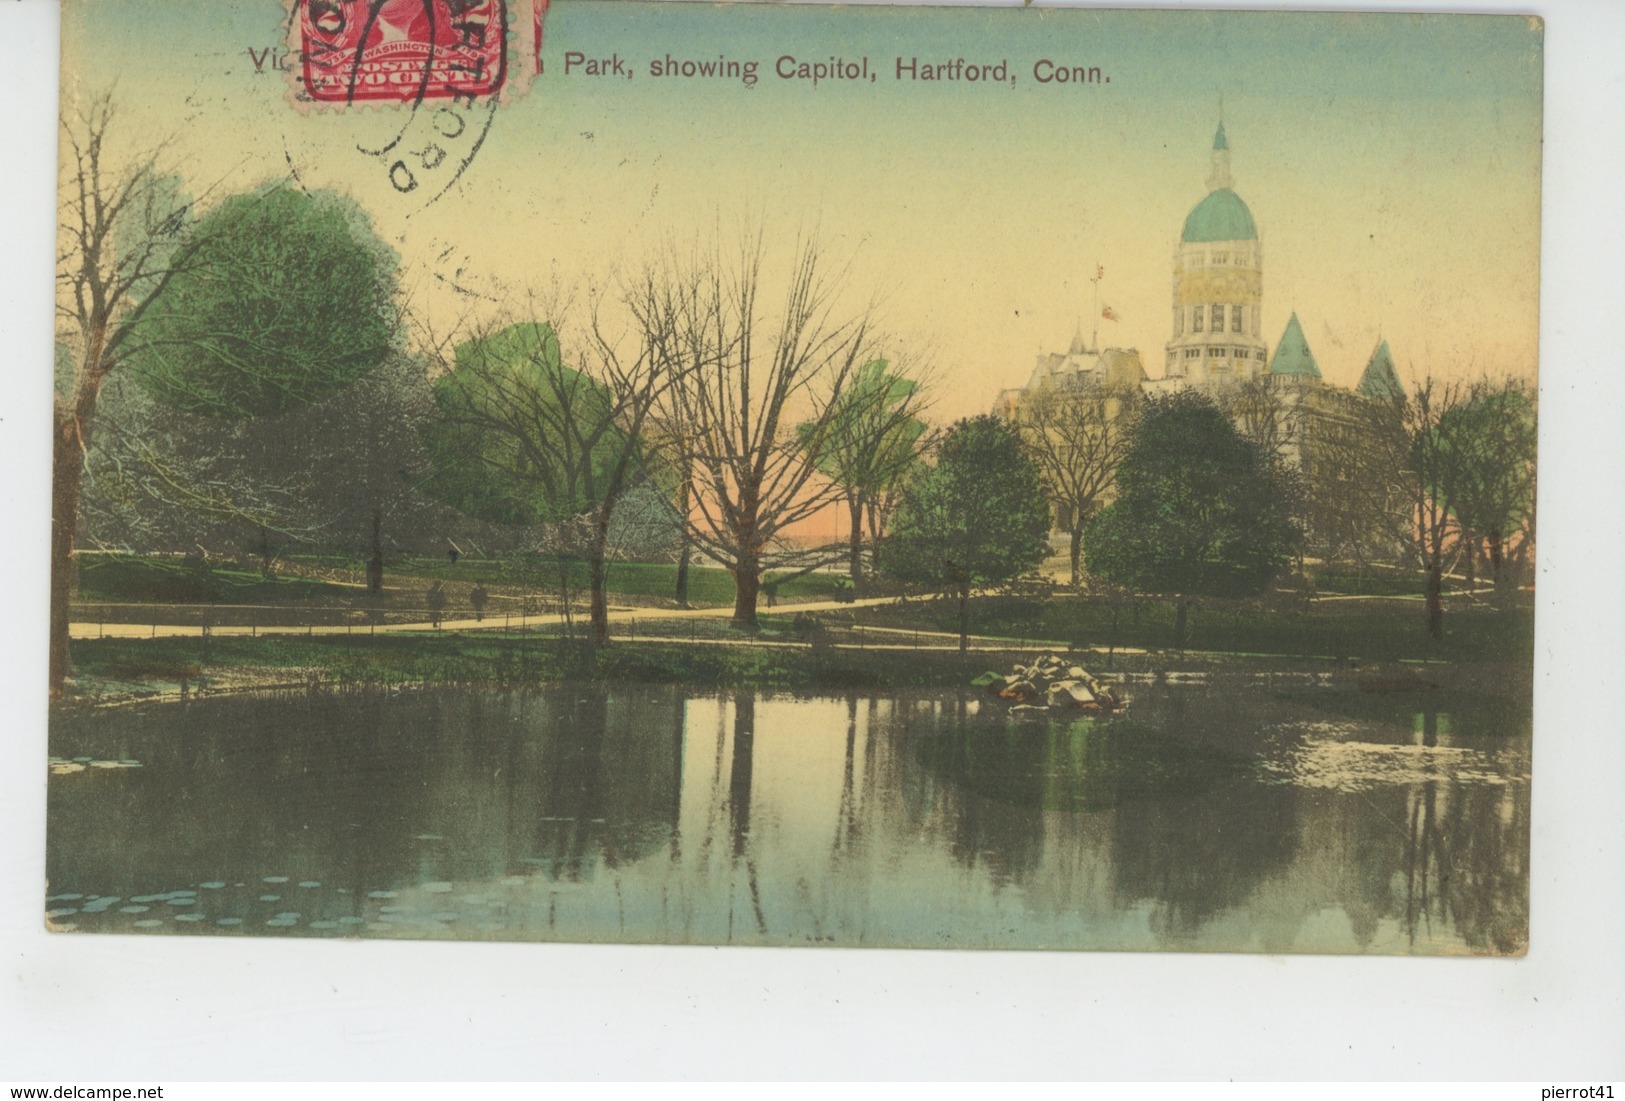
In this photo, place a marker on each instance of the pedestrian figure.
(453, 553)
(771, 589)
(437, 603)
(477, 597)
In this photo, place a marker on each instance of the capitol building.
(1216, 345)
(1216, 331)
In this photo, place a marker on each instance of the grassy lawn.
(110, 578)
(106, 578)
(650, 581)
(1369, 631)
(1376, 582)
(486, 659)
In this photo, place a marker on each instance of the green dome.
(1222, 216)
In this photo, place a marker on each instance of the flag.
(1108, 313)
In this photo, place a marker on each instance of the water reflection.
(1217, 817)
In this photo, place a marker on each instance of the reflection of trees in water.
(607, 784)
(367, 790)
(741, 776)
(993, 810)
(1198, 857)
(1466, 864)
(236, 789)
(1006, 774)
(848, 823)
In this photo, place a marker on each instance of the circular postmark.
(440, 69)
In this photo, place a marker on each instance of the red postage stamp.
(402, 51)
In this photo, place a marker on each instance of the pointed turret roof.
(1380, 380)
(1292, 355)
(1222, 216)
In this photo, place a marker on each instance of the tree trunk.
(685, 546)
(597, 575)
(1075, 552)
(855, 551)
(964, 616)
(747, 584)
(747, 557)
(683, 556)
(1497, 557)
(68, 447)
(1435, 596)
(68, 469)
(375, 563)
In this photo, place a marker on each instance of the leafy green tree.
(286, 297)
(1491, 439)
(239, 312)
(873, 440)
(1201, 511)
(978, 517)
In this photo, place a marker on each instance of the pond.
(1284, 813)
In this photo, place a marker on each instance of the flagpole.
(1094, 337)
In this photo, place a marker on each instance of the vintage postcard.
(795, 475)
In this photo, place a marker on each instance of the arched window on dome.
(1218, 318)
(1196, 319)
(1235, 319)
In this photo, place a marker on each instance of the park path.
(871, 638)
(91, 629)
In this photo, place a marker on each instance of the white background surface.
(143, 1009)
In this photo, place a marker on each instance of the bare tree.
(1492, 433)
(523, 436)
(1269, 412)
(117, 247)
(1435, 473)
(1078, 435)
(759, 395)
(668, 436)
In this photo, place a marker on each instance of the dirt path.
(489, 623)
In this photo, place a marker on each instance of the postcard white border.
(110, 1008)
